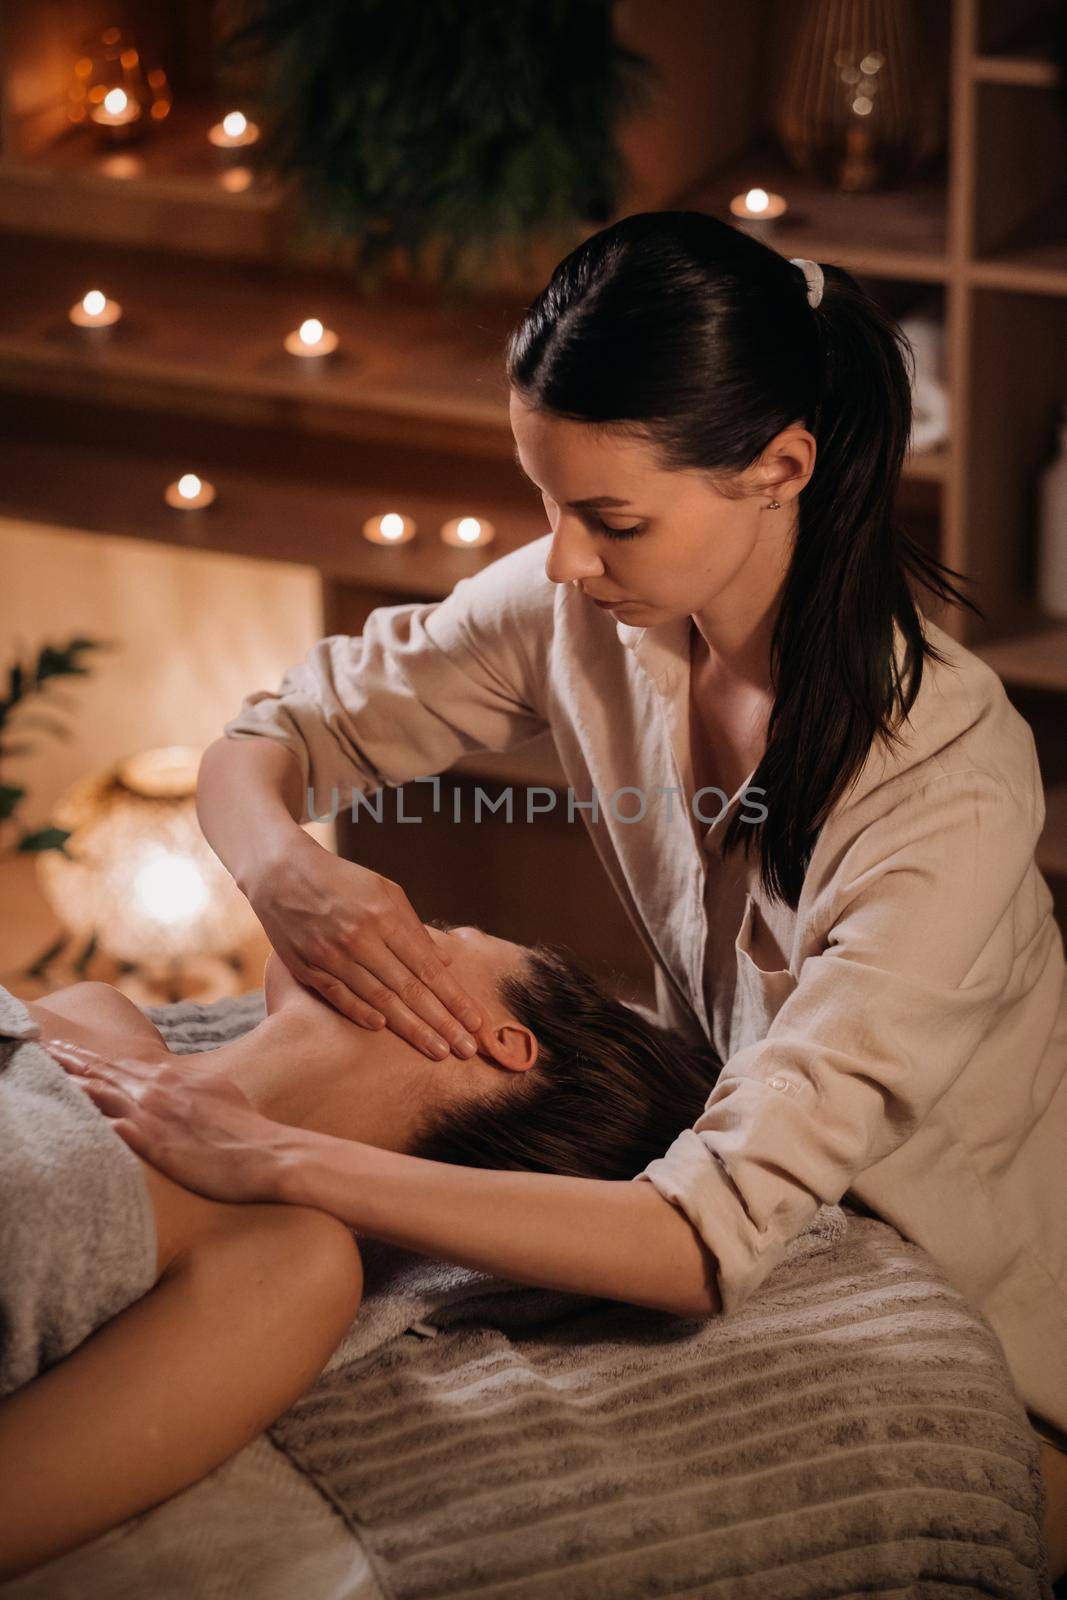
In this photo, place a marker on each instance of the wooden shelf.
(202, 339)
(1023, 58)
(1019, 232)
(173, 184)
(1034, 660)
(279, 497)
(894, 234)
(206, 337)
(1032, 260)
(1021, 71)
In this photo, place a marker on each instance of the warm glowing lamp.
(113, 88)
(311, 339)
(468, 533)
(137, 872)
(390, 528)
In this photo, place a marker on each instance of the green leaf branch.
(31, 684)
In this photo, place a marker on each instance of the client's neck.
(309, 1067)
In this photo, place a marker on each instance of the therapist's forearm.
(249, 803)
(617, 1240)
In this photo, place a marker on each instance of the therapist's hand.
(190, 1122)
(354, 937)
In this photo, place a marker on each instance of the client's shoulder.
(98, 1016)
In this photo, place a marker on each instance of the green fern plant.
(31, 699)
(34, 682)
(440, 126)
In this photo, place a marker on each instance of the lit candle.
(758, 210)
(391, 528)
(468, 532)
(95, 310)
(311, 339)
(190, 493)
(233, 132)
(116, 112)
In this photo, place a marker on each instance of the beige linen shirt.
(900, 1039)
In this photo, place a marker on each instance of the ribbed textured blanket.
(852, 1430)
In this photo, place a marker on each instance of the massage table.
(853, 1429)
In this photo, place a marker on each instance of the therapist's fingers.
(79, 1060)
(359, 981)
(340, 996)
(421, 956)
(69, 1054)
(408, 1003)
(106, 1098)
(405, 934)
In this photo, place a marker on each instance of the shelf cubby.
(1014, 42)
(1020, 210)
(1018, 344)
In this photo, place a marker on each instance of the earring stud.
(775, 505)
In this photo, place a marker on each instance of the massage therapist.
(725, 599)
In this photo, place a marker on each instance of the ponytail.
(724, 351)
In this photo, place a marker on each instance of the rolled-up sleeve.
(918, 951)
(423, 685)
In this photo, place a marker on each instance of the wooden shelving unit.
(414, 408)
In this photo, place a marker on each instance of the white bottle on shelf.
(1052, 529)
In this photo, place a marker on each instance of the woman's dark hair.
(608, 1094)
(698, 340)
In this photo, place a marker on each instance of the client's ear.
(510, 1045)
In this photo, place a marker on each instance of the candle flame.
(757, 200)
(93, 303)
(311, 331)
(189, 486)
(469, 529)
(234, 124)
(391, 526)
(115, 102)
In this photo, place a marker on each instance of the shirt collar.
(659, 649)
(666, 644)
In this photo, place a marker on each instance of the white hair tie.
(813, 277)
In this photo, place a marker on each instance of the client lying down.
(209, 1319)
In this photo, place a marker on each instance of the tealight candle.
(391, 528)
(758, 210)
(311, 339)
(95, 310)
(233, 132)
(116, 113)
(190, 493)
(468, 532)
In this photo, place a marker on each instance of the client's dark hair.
(608, 1094)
